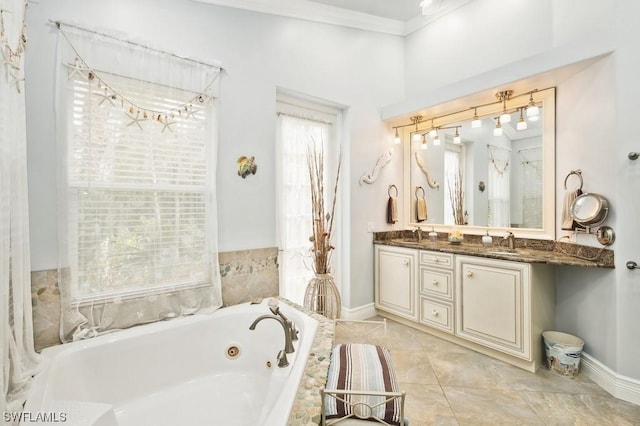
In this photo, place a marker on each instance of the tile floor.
(447, 384)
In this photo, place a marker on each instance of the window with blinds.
(137, 190)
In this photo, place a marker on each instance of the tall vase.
(322, 296)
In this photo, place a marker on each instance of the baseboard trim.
(620, 386)
(360, 313)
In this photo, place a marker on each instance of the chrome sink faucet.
(510, 239)
(288, 344)
(418, 231)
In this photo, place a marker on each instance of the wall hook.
(634, 155)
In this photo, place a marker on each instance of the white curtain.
(294, 199)
(499, 196)
(532, 188)
(19, 360)
(137, 160)
(451, 174)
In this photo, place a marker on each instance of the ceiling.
(397, 17)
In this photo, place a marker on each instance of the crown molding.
(326, 14)
(317, 12)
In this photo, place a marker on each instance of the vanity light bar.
(530, 104)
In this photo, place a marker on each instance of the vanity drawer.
(436, 314)
(443, 260)
(436, 282)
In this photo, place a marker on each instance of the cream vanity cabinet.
(504, 305)
(395, 280)
(497, 307)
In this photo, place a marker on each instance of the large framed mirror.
(483, 164)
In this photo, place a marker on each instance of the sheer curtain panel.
(499, 191)
(294, 198)
(19, 360)
(137, 197)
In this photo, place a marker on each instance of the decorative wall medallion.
(246, 166)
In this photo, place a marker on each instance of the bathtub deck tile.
(306, 408)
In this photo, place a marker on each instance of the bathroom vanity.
(491, 300)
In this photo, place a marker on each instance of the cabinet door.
(492, 299)
(395, 280)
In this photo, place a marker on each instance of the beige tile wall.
(246, 275)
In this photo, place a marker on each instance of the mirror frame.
(548, 99)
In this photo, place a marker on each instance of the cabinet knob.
(434, 313)
(406, 263)
(435, 283)
(469, 274)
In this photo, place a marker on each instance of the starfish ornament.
(191, 113)
(77, 69)
(16, 80)
(167, 125)
(106, 97)
(136, 120)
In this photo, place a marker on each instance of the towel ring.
(389, 190)
(577, 173)
(421, 189)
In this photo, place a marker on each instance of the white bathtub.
(177, 373)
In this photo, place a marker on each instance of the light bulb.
(436, 140)
(424, 145)
(416, 137)
(532, 109)
(476, 123)
(433, 132)
(505, 117)
(456, 138)
(498, 129)
(396, 138)
(522, 124)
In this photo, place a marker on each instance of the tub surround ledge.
(526, 250)
(306, 408)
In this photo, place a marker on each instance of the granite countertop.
(527, 250)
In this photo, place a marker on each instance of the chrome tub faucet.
(291, 326)
(288, 344)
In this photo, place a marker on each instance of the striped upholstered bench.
(361, 387)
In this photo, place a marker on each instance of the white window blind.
(137, 189)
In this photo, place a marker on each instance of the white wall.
(358, 69)
(595, 118)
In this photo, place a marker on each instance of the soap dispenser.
(433, 236)
(487, 240)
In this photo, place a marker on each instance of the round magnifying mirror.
(589, 209)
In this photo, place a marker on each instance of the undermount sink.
(505, 253)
